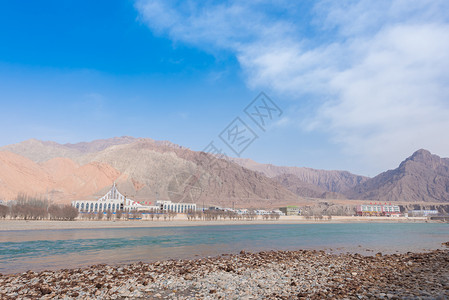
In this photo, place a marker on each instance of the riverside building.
(290, 210)
(423, 213)
(378, 210)
(113, 201)
(165, 205)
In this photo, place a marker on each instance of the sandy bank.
(181, 221)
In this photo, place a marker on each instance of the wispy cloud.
(377, 71)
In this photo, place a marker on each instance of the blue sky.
(362, 84)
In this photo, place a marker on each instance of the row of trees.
(207, 215)
(127, 215)
(33, 208)
(107, 215)
(64, 212)
(327, 210)
(214, 215)
(318, 217)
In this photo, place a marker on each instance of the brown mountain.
(299, 187)
(145, 170)
(305, 189)
(40, 151)
(19, 174)
(306, 178)
(99, 145)
(58, 178)
(422, 177)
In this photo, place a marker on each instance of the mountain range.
(147, 170)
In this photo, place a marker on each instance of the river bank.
(264, 275)
(182, 221)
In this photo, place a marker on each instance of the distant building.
(164, 205)
(112, 201)
(277, 211)
(215, 208)
(378, 210)
(290, 210)
(242, 211)
(422, 213)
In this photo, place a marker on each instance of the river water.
(56, 249)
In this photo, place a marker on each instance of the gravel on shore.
(303, 274)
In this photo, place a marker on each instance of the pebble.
(264, 275)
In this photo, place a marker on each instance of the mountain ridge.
(335, 181)
(422, 177)
(144, 169)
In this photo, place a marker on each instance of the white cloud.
(378, 71)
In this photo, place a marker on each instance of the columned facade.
(95, 206)
(113, 201)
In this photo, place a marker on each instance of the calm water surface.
(55, 249)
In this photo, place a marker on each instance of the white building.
(113, 201)
(422, 213)
(175, 207)
(378, 210)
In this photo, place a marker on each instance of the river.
(69, 248)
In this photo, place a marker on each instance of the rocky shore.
(266, 275)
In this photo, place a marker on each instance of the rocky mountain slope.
(306, 189)
(422, 177)
(299, 187)
(148, 170)
(327, 181)
(145, 170)
(58, 178)
(40, 151)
